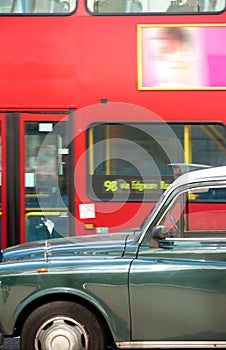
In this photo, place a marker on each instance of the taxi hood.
(99, 244)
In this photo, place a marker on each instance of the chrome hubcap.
(61, 333)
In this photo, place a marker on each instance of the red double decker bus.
(98, 98)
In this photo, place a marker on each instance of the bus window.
(131, 161)
(36, 6)
(156, 6)
(46, 180)
(103, 6)
(203, 143)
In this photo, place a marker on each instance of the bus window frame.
(38, 14)
(149, 13)
(93, 196)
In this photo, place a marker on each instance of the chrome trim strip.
(170, 344)
(213, 239)
(46, 251)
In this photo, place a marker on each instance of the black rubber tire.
(62, 325)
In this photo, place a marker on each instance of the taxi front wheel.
(62, 325)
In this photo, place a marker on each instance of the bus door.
(45, 168)
(3, 181)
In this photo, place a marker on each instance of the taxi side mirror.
(158, 233)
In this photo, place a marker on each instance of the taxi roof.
(208, 174)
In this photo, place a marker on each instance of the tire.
(62, 325)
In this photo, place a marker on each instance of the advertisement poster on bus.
(181, 57)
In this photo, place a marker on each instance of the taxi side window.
(189, 218)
